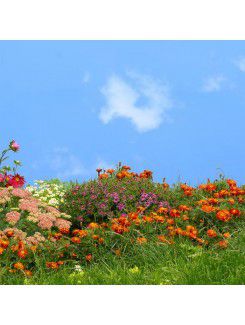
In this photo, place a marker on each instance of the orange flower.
(223, 215)
(76, 240)
(235, 212)
(231, 182)
(33, 248)
(101, 240)
(103, 176)
(14, 248)
(28, 273)
(174, 213)
(123, 221)
(93, 225)
(22, 253)
(4, 243)
(119, 229)
(141, 240)
(52, 265)
(110, 171)
(162, 210)
(211, 233)
(223, 243)
(184, 208)
(170, 221)
(185, 217)
(1, 250)
(89, 257)
(227, 235)
(148, 219)
(9, 233)
(231, 201)
(208, 208)
(64, 231)
(165, 186)
(159, 219)
(133, 215)
(57, 235)
(19, 266)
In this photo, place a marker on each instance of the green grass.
(181, 263)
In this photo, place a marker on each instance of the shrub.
(113, 193)
(26, 225)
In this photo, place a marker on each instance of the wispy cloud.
(141, 99)
(66, 164)
(240, 63)
(213, 84)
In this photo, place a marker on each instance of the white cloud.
(122, 101)
(213, 84)
(240, 63)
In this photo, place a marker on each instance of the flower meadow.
(121, 221)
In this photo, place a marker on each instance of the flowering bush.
(50, 192)
(25, 225)
(113, 193)
(6, 178)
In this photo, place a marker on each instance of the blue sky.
(175, 107)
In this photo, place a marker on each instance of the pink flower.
(20, 193)
(45, 222)
(14, 145)
(13, 217)
(62, 224)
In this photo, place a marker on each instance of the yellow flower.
(134, 270)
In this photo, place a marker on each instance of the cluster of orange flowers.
(123, 172)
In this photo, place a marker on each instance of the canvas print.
(122, 162)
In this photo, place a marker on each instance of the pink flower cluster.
(13, 217)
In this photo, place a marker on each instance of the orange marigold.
(223, 215)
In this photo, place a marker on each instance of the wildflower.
(13, 217)
(207, 208)
(88, 257)
(22, 253)
(14, 146)
(134, 270)
(1, 250)
(16, 181)
(103, 176)
(19, 266)
(227, 235)
(174, 213)
(223, 215)
(52, 265)
(223, 244)
(141, 240)
(235, 212)
(76, 240)
(28, 273)
(78, 268)
(93, 225)
(211, 233)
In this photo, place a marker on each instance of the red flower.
(15, 181)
